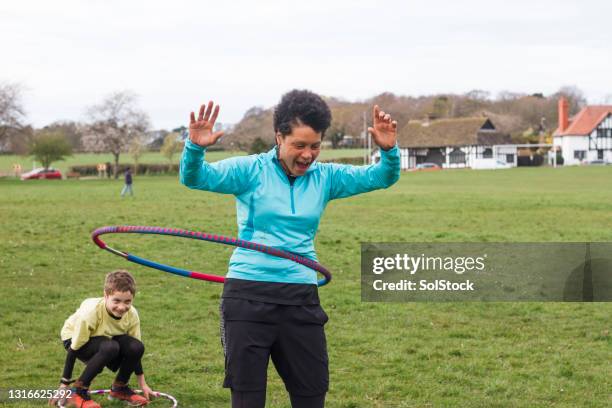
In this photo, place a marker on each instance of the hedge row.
(358, 161)
(142, 169)
(157, 169)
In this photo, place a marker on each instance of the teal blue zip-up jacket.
(272, 211)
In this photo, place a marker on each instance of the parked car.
(41, 173)
(490, 164)
(427, 167)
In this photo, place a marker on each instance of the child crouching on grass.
(105, 332)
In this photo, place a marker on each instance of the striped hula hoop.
(203, 236)
(156, 394)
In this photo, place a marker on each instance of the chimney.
(563, 114)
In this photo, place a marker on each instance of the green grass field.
(381, 354)
(7, 161)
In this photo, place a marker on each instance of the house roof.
(583, 123)
(451, 132)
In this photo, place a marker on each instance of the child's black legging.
(121, 353)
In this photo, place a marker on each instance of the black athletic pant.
(292, 336)
(121, 353)
(257, 399)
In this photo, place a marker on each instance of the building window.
(579, 154)
(509, 158)
(487, 153)
(599, 154)
(457, 156)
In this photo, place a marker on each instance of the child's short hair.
(119, 281)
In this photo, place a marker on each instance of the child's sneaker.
(80, 399)
(123, 392)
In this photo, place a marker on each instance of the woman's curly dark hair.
(301, 107)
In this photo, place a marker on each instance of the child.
(105, 332)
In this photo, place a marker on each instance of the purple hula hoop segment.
(131, 229)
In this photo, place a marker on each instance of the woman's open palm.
(201, 130)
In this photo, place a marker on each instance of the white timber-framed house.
(452, 143)
(585, 137)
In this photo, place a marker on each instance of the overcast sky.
(176, 54)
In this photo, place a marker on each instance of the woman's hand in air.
(201, 130)
(384, 130)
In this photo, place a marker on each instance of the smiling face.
(299, 149)
(118, 303)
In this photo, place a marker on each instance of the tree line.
(118, 125)
(523, 116)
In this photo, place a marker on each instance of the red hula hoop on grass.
(203, 236)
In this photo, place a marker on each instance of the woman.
(270, 306)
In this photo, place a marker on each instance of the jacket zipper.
(290, 189)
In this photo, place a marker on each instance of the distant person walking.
(128, 183)
(109, 170)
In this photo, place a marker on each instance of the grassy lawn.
(381, 354)
(7, 161)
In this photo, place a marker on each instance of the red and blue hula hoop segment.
(203, 236)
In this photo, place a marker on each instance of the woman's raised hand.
(384, 129)
(201, 130)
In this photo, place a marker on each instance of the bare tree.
(172, 145)
(115, 124)
(137, 148)
(256, 122)
(12, 113)
(574, 96)
(478, 95)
